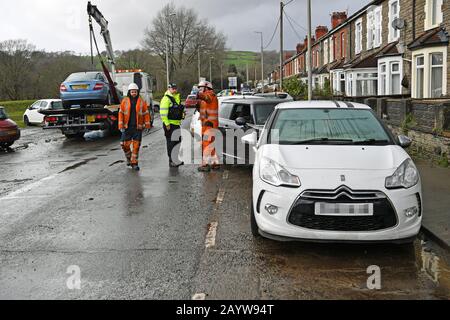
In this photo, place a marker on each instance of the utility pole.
(281, 44)
(210, 69)
(262, 60)
(167, 51)
(199, 66)
(221, 76)
(247, 72)
(309, 53)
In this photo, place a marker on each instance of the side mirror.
(250, 139)
(241, 121)
(404, 141)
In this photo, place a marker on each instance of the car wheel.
(253, 225)
(108, 100)
(26, 121)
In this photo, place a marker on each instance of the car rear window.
(56, 105)
(3, 115)
(82, 76)
(263, 112)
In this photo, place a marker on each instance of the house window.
(374, 29)
(349, 84)
(342, 45)
(437, 71)
(325, 52)
(382, 71)
(394, 13)
(420, 76)
(390, 72)
(338, 81)
(429, 76)
(332, 55)
(433, 13)
(358, 36)
(366, 84)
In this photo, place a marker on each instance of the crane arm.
(95, 13)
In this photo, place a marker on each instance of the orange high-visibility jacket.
(142, 114)
(209, 109)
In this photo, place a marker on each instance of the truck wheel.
(253, 225)
(77, 135)
(26, 121)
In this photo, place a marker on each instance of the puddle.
(435, 268)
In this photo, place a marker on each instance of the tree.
(15, 68)
(184, 34)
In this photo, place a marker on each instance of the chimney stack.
(321, 31)
(338, 18)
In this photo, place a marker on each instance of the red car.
(9, 131)
(191, 101)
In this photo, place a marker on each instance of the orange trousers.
(208, 149)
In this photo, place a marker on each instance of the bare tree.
(15, 67)
(184, 33)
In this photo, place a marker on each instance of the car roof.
(252, 99)
(49, 100)
(321, 104)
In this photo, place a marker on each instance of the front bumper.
(279, 226)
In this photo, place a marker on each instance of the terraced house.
(387, 48)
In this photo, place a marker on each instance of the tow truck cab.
(144, 81)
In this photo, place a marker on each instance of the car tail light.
(51, 119)
(101, 116)
(62, 88)
(98, 86)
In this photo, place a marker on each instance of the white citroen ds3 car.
(331, 171)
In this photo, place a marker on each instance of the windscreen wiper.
(370, 141)
(318, 140)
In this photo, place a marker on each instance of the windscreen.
(295, 126)
(263, 112)
(3, 115)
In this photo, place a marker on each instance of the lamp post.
(167, 50)
(199, 62)
(210, 68)
(262, 60)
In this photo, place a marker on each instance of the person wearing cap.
(171, 99)
(209, 117)
(133, 118)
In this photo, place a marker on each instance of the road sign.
(232, 82)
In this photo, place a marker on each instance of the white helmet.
(133, 86)
(206, 84)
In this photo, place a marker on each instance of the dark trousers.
(171, 145)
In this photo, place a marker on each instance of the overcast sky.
(59, 25)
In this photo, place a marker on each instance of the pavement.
(72, 207)
(436, 192)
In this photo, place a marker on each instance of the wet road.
(170, 234)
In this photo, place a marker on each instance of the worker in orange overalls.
(209, 117)
(133, 118)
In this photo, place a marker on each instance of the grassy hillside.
(241, 58)
(16, 109)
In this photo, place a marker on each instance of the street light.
(262, 60)
(167, 49)
(210, 68)
(199, 65)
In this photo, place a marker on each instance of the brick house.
(366, 55)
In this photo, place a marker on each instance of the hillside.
(241, 58)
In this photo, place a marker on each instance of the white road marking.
(220, 196)
(16, 194)
(211, 236)
(199, 296)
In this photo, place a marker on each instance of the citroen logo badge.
(342, 178)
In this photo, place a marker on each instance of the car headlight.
(274, 174)
(406, 176)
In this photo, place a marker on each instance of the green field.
(241, 58)
(16, 109)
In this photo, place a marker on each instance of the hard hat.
(172, 86)
(206, 84)
(133, 86)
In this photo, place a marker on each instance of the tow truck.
(76, 120)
